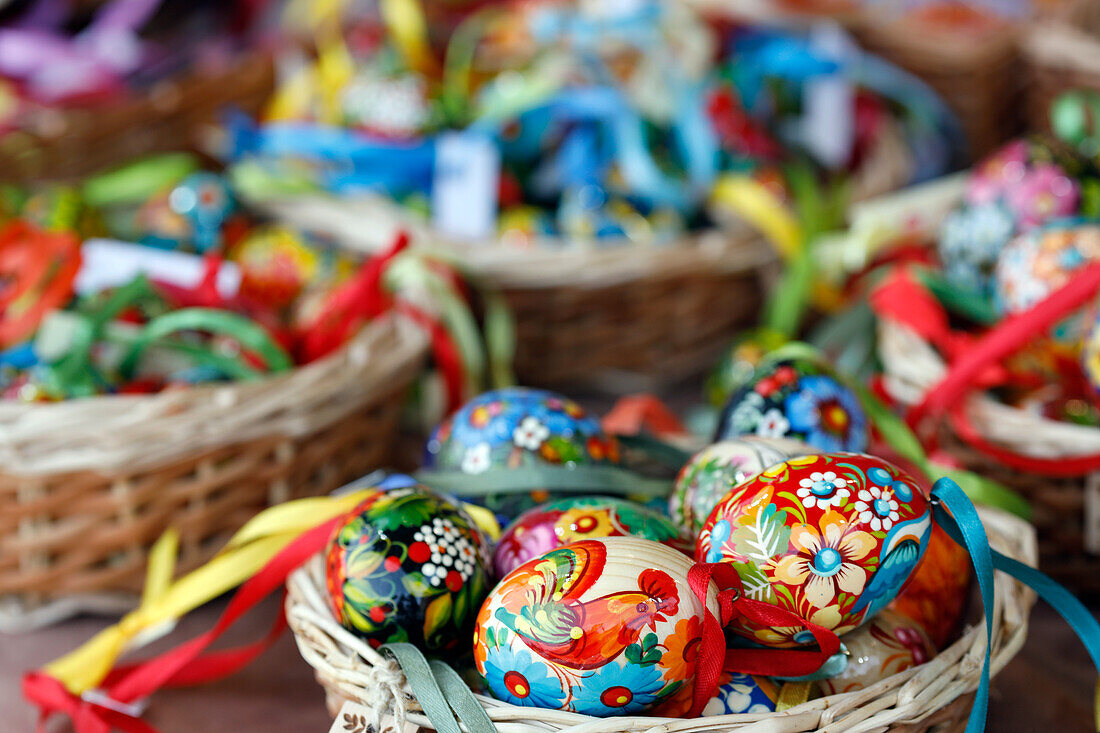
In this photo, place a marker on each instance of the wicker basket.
(58, 144)
(88, 485)
(1067, 510)
(624, 318)
(1061, 54)
(932, 697)
(978, 75)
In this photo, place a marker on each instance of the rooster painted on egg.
(831, 537)
(601, 627)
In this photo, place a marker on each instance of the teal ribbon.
(957, 516)
(441, 693)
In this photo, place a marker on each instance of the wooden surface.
(1047, 688)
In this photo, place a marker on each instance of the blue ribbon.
(957, 516)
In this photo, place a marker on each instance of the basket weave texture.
(935, 696)
(1063, 514)
(622, 317)
(1061, 54)
(59, 144)
(88, 485)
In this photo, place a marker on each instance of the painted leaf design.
(437, 615)
(755, 582)
(764, 535)
(361, 594)
(363, 561)
(416, 584)
(461, 605)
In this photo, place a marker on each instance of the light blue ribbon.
(957, 516)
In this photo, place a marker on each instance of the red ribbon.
(713, 656)
(34, 259)
(185, 664)
(633, 414)
(975, 363)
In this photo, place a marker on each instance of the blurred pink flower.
(998, 173)
(1045, 193)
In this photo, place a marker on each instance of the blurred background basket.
(88, 485)
(976, 73)
(622, 316)
(1062, 53)
(53, 143)
(1066, 509)
(935, 696)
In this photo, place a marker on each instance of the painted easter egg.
(1025, 184)
(601, 627)
(887, 644)
(742, 693)
(506, 431)
(545, 528)
(408, 565)
(738, 364)
(714, 471)
(800, 400)
(830, 537)
(938, 593)
(1036, 264)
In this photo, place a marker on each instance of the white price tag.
(829, 124)
(107, 263)
(465, 185)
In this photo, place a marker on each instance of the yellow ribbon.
(793, 694)
(165, 601)
(755, 203)
(408, 29)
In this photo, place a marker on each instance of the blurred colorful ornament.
(545, 528)
(191, 213)
(721, 467)
(600, 627)
(738, 364)
(1036, 264)
(1019, 187)
(395, 107)
(796, 399)
(939, 591)
(408, 565)
(831, 537)
(276, 265)
(889, 643)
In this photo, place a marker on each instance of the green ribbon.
(248, 333)
(135, 182)
(439, 690)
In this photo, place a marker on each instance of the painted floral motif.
(513, 429)
(407, 566)
(1036, 264)
(835, 562)
(888, 644)
(797, 400)
(721, 467)
(741, 693)
(828, 562)
(936, 596)
(739, 363)
(1022, 186)
(823, 490)
(602, 627)
(544, 528)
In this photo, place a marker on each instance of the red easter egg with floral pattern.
(831, 537)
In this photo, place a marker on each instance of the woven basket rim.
(912, 366)
(349, 669)
(367, 223)
(96, 433)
